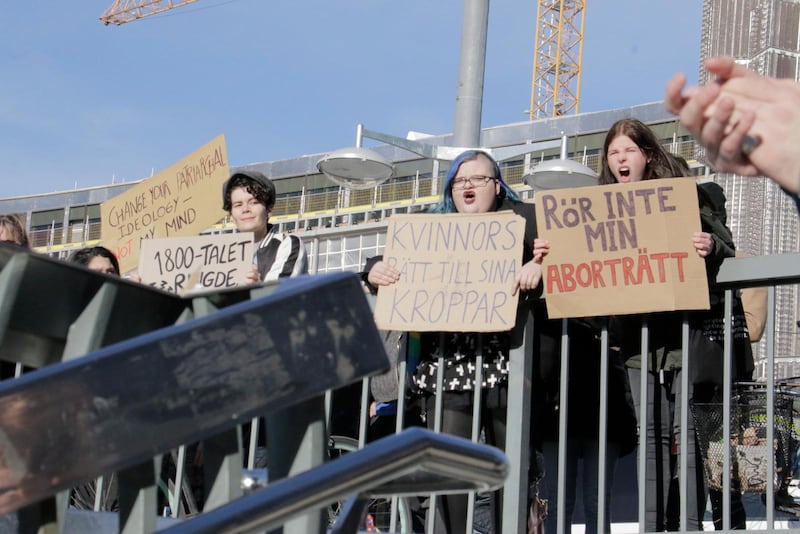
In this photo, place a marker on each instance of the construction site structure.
(556, 84)
(122, 11)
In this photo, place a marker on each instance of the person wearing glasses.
(473, 184)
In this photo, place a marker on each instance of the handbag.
(537, 514)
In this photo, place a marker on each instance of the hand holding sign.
(182, 264)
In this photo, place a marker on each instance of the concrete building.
(764, 36)
(343, 227)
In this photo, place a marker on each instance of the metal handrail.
(407, 463)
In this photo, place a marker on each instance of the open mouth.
(469, 196)
(624, 174)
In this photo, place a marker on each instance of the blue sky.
(83, 103)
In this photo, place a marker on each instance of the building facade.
(329, 216)
(762, 35)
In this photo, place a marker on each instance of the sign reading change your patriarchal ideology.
(456, 272)
(187, 264)
(181, 200)
(621, 249)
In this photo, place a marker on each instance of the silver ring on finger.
(750, 143)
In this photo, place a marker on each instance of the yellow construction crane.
(556, 86)
(122, 11)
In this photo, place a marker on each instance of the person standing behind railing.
(632, 153)
(249, 196)
(473, 184)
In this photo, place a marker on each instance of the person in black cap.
(248, 197)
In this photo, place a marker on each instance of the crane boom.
(122, 11)
(556, 85)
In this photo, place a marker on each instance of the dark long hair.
(84, 256)
(661, 164)
(447, 205)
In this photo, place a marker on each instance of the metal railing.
(113, 388)
(769, 271)
(735, 273)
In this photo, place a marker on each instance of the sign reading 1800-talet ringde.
(457, 272)
(184, 264)
(182, 200)
(619, 249)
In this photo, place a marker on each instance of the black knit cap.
(256, 177)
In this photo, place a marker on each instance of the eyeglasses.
(471, 181)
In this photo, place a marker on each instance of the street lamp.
(356, 167)
(558, 173)
(361, 168)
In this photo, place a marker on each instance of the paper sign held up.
(621, 249)
(457, 272)
(183, 264)
(182, 200)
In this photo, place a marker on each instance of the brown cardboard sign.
(457, 272)
(620, 249)
(182, 264)
(182, 200)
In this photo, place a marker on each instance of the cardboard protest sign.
(622, 249)
(181, 264)
(181, 200)
(457, 272)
